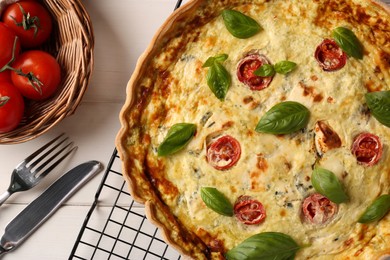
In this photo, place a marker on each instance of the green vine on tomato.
(34, 81)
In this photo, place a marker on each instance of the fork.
(35, 167)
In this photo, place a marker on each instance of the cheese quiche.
(261, 129)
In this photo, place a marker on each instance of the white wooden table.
(123, 29)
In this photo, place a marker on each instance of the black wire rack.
(119, 230)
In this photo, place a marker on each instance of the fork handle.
(4, 197)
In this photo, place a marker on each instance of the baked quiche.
(261, 129)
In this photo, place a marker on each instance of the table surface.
(123, 29)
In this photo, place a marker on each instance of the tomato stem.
(4, 100)
(8, 65)
(28, 22)
(34, 81)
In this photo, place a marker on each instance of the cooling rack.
(122, 230)
(119, 230)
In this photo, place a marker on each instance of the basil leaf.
(240, 25)
(177, 138)
(266, 70)
(267, 245)
(326, 183)
(285, 66)
(216, 201)
(348, 41)
(211, 60)
(218, 78)
(284, 118)
(379, 104)
(377, 210)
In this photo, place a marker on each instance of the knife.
(39, 210)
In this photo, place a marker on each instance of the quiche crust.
(168, 86)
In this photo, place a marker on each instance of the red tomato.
(11, 107)
(7, 42)
(248, 210)
(330, 56)
(31, 22)
(318, 209)
(224, 152)
(246, 68)
(367, 148)
(5, 76)
(41, 74)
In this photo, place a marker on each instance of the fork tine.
(54, 164)
(33, 155)
(48, 160)
(48, 152)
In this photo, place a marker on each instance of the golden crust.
(141, 169)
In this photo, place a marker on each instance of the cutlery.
(28, 173)
(39, 210)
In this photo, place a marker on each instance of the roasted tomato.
(8, 43)
(318, 209)
(31, 22)
(367, 149)
(330, 56)
(325, 138)
(248, 210)
(37, 74)
(246, 68)
(11, 107)
(224, 152)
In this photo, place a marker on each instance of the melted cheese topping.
(273, 169)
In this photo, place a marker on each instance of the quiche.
(261, 129)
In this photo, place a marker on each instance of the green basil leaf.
(216, 201)
(240, 25)
(326, 183)
(211, 60)
(179, 135)
(348, 41)
(377, 210)
(379, 104)
(266, 70)
(285, 66)
(218, 78)
(265, 246)
(284, 118)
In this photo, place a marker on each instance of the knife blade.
(39, 210)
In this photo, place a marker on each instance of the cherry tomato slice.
(11, 107)
(330, 56)
(224, 152)
(30, 21)
(246, 68)
(248, 210)
(367, 149)
(318, 209)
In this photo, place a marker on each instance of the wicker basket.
(72, 43)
